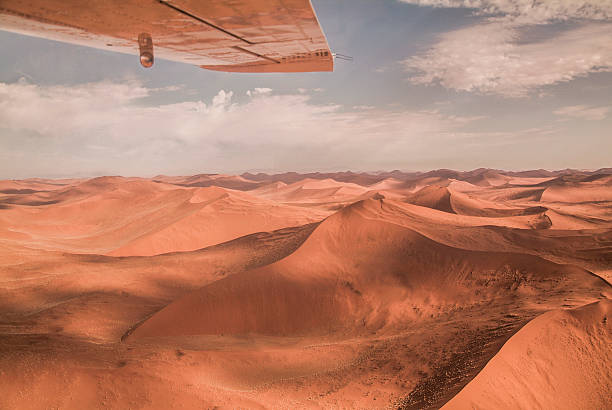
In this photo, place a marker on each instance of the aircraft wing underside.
(224, 35)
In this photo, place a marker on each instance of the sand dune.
(559, 360)
(122, 217)
(513, 193)
(577, 193)
(488, 178)
(445, 198)
(314, 190)
(475, 289)
(353, 283)
(578, 188)
(218, 217)
(386, 184)
(435, 197)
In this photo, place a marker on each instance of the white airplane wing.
(224, 35)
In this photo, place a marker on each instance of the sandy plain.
(481, 289)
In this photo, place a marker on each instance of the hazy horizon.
(434, 84)
(306, 173)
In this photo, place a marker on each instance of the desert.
(305, 204)
(441, 289)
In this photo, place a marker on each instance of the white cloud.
(495, 56)
(584, 112)
(530, 11)
(488, 58)
(259, 91)
(107, 126)
(52, 110)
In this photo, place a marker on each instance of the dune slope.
(560, 360)
(357, 273)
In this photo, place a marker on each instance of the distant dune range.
(478, 289)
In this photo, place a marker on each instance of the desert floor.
(480, 289)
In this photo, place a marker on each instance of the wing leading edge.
(224, 35)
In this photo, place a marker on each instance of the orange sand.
(479, 289)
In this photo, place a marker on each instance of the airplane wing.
(225, 35)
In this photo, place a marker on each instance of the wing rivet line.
(229, 33)
(244, 50)
(201, 20)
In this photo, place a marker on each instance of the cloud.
(584, 112)
(488, 58)
(58, 110)
(529, 11)
(497, 55)
(259, 91)
(51, 130)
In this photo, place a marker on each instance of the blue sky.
(510, 84)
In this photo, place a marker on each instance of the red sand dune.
(354, 283)
(122, 217)
(559, 360)
(313, 190)
(435, 197)
(448, 200)
(488, 178)
(579, 192)
(215, 217)
(474, 289)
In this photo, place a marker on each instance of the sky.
(460, 84)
